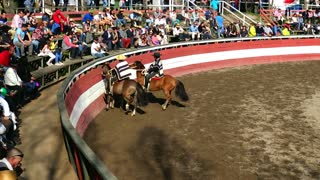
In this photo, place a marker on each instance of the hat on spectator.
(121, 57)
(8, 175)
(156, 54)
(91, 11)
(71, 20)
(48, 11)
(178, 25)
(14, 152)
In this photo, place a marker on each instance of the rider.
(120, 72)
(155, 69)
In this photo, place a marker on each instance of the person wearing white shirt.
(96, 50)
(12, 161)
(14, 83)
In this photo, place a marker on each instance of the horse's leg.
(167, 93)
(134, 104)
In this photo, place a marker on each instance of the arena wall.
(84, 99)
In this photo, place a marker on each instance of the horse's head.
(106, 70)
(137, 65)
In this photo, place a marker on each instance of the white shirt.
(11, 78)
(6, 162)
(5, 106)
(95, 46)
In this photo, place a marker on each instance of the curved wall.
(84, 96)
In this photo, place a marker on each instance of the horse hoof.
(164, 108)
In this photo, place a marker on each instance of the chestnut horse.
(167, 84)
(130, 90)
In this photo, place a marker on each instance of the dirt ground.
(253, 122)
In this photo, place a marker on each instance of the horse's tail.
(180, 91)
(142, 97)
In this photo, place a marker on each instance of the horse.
(166, 83)
(130, 90)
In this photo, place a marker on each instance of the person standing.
(220, 27)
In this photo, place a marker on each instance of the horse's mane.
(139, 65)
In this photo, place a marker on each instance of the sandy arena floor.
(253, 122)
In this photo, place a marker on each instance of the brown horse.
(130, 90)
(167, 84)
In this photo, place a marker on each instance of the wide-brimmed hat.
(121, 57)
(48, 11)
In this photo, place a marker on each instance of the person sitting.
(96, 50)
(20, 43)
(122, 68)
(155, 69)
(120, 72)
(68, 45)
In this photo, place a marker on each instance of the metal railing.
(226, 7)
(86, 164)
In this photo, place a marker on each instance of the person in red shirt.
(59, 19)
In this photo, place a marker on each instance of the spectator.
(47, 52)
(220, 27)
(38, 39)
(17, 20)
(243, 31)
(56, 51)
(12, 161)
(193, 31)
(131, 32)
(3, 17)
(88, 16)
(19, 41)
(14, 83)
(120, 18)
(96, 49)
(108, 38)
(68, 45)
(59, 21)
(259, 29)
(268, 30)
(46, 15)
(252, 30)
(124, 38)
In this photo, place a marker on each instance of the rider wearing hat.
(120, 72)
(155, 69)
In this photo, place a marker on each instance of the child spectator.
(47, 52)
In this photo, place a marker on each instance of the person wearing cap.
(155, 69)
(12, 161)
(268, 30)
(96, 49)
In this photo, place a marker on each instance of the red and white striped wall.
(85, 98)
